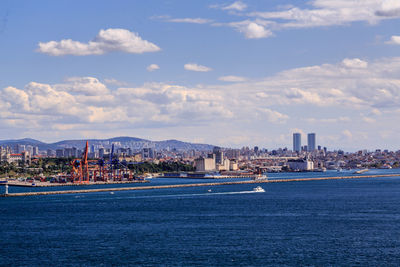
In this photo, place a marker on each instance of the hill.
(122, 141)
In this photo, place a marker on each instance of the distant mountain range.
(133, 142)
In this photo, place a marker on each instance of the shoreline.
(193, 185)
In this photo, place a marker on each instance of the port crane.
(84, 170)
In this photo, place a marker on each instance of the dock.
(194, 185)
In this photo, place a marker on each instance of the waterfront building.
(297, 142)
(311, 142)
(233, 166)
(204, 164)
(301, 165)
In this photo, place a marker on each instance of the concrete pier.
(194, 185)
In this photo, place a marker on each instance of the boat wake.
(87, 197)
(194, 194)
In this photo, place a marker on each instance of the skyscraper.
(311, 142)
(297, 142)
(219, 155)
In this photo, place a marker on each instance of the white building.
(204, 164)
(23, 157)
(233, 166)
(301, 165)
(225, 166)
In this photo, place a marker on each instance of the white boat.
(258, 189)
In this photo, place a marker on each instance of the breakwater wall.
(194, 185)
(48, 184)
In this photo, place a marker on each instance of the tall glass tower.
(311, 142)
(297, 142)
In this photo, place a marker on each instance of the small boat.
(258, 189)
(112, 193)
(209, 190)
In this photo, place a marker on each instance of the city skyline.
(227, 73)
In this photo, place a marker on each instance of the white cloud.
(251, 29)
(328, 120)
(84, 100)
(238, 5)
(83, 85)
(190, 20)
(232, 78)
(321, 13)
(255, 31)
(235, 6)
(352, 83)
(327, 13)
(347, 134)
(196, 67)
(106, 41)
(272, 115)
(152, 67)
(368, 120)
(354, 90)
(113, 81)
(395, 40)
(355, 63)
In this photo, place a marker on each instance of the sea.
(352, 222)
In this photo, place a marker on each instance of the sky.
(227, 73)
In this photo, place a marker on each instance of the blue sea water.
(313, 223)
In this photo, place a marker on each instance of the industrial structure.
(85, 171)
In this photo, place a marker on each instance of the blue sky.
(229, 73)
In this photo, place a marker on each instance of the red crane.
(80, 169)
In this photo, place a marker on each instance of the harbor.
(195, 185)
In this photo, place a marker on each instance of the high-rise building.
(101, 152)
(35, 151)
(311, 142)
(219, 155)
(147, 153)
(51, 153)
(60, 153)
(297, 142)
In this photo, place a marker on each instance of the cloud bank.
(368, 93)
(320, 13)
